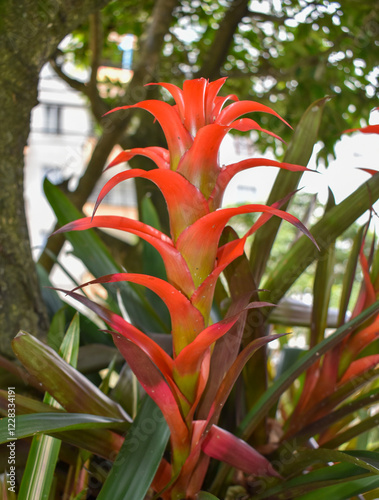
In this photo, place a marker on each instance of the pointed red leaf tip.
(370, 129)
(186, 320)
(177, 137)
(370, 171)
(222, 445)
(208, 229)
(160, 156)
(176, 268)
(237, 109)
(229, 171)
(185, 203)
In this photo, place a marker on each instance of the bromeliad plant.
(193, 183)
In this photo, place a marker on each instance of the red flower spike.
(247, 124)
(194, 104)
(178, 138)
(224, 446)
(184, 201)
(177, 271)
(212, 90)
(186, 320)
(160, 156)
(200, 163)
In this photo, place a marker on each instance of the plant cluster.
(297, 430)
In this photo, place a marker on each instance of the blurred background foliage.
(285, 53)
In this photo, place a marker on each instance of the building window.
(53, 119)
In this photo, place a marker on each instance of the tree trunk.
(30, 31)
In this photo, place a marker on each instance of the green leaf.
(333, 224)
(204, 495)
(349, 275)
(104, 443)
(299, 152)
(344, 491)
(96, 257)
(347, 466)
(67, 385)
(43, 454)
(139, 457)
(322, 287)
(35, 423)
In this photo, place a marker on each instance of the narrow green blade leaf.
(332, 225)
(347, 466)
(44, 451)
(322, 287)
(40, 467)
(349, 275)
(344, 491)
(299, 152)
(145, 443)
(29, 425)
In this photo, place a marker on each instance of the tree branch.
(224, 37)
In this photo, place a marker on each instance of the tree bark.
(30, 32)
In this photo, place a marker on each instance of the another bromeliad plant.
(193, 183)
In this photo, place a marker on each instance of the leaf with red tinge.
(234, 372)
(237, 109)
(359, 367)
(178, 138)
(160, 156)
(177, 270)
(190, 358)
(224, 446)
(185, 202)
(162, 360)
(361, 339)
(370, 129)
(186, 320)
(156, 386)
(229, 171)
(208, 229)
